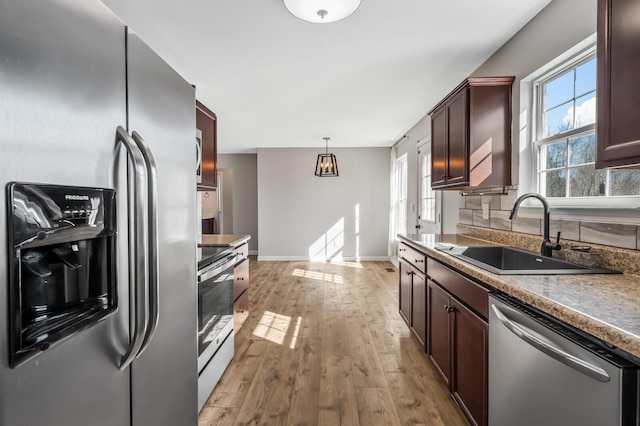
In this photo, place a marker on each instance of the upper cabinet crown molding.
(471, 135)
(618, 103)
(207, 123)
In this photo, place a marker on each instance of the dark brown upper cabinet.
(618, 126)
(207, 124)
(471, 135)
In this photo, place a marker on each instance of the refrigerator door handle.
(152, 223)
(554, 352)
(137, 243)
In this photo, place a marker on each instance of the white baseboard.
(307, 259)
(253, 252)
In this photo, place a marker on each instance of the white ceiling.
(276, 81)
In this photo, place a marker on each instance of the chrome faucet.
(547, 247)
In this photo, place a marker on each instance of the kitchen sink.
(510, 261)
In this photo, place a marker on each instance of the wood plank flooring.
(324, 345)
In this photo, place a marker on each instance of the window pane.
(624, 182)
(555, 155)
(586, 77)
(586, 181)
(585, 110)
(582, 150)
(556, 183)
(558, 90)
(558, 119)
(431, 209)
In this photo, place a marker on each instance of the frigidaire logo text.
(76, 197)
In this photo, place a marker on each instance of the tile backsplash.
(615, 235)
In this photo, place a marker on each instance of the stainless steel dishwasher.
(544, 372)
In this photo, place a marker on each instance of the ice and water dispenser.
(62, 263)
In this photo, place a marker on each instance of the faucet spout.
(547, 247)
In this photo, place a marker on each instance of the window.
(565, 139)
(427, 195)
(400, 190)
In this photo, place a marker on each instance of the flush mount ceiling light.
(321, 11)
(327, 164)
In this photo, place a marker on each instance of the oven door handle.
(137, 242)
(553, 351)
(212, 272)
(152, 238)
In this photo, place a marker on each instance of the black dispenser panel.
(62, 272)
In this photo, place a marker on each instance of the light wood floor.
(324, 345)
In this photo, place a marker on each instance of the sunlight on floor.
(274, 327)
(344, 263)
(321, 276)
(294, 338)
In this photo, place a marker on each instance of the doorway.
(429, 201)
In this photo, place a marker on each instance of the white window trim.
(622, 209)
(425, 145)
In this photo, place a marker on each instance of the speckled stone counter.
(213, 240)
(605, 306)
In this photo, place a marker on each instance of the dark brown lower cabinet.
(413, 300)
(419, 307)
(457, 347)
(405, 291)
(439, 344)
(470, 362)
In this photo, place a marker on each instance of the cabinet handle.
(240, 278)
(449, 309)
(409, 272)
(443, 176)
(402, 249)
(419, 260)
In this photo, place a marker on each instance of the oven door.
(215, 310)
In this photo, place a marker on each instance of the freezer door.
(62, 95)
(162, 113)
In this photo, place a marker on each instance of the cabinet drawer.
(242, 251)
(240, 278)
(413, 256)
(473, 295)
(240, 311)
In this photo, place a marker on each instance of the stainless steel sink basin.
(510, 261)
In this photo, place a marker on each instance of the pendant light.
(327, 164)
(321, 11)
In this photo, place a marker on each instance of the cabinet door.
(419, 308)
(618, 138)
(439, 147)
(457, 126)
(469, 384)
(206, 122)
(405, 291)
(439, 330)
(240, 278)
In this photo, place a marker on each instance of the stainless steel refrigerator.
(71, 75)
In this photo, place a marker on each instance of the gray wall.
(557, 28)
(302, 216)
(240, 193)
(562, 25)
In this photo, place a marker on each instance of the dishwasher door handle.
(554, 352)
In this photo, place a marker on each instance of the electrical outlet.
(485, 211)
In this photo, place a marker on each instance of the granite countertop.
(605, 306)
(225, 240)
